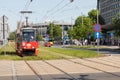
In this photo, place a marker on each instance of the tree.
(57, 32)
(54, 31)
(93, 16)
(83, 26)
(116, 24)
(70, 33)
(12, 35)
(39, 37)
(50, 30)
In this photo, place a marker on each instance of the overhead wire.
(53, 13)
(21, 16)
(60, 9)
(26, 5)
(55, 6)
(25, 8)
(52, 9)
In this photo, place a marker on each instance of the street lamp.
(98, 23)
(97, 11)
(82, 19)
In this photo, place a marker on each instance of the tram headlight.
(33, 47)
(24, 47)
(28, 45)
(23, 44)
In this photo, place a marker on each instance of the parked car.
(51, 43)
(47, 44)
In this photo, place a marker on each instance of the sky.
(44, 10)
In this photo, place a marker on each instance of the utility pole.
(82, 18)
(3, 28)
(4, 17)
(71, 23)
(98, 40)
(98, 11)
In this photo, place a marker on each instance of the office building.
(109, 9)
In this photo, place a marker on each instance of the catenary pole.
(98, 40)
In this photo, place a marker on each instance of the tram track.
(111, 61)
(33, 70)
(40, 76)
(94, 68)
(14, 77)
(65, 57)
(102, 63)
(71, 77)
(14, 72)
(104, 71)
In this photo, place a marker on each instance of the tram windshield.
(28, 35)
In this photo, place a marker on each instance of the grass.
(73, 52)
(86, 46)
(12, 55)
(46, 53)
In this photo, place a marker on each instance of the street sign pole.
(97, 29)
(97, 35)
(98, 39)
(98, 43)
(98, 46)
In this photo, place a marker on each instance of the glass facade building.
(109, 9)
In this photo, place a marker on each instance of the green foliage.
(54, 31)
(83, 26)
(50, 30)
(57, 32)
(116, 24)
(70, 33)
(93, 16)
(40, 38)
(12, 35)
(75, 53)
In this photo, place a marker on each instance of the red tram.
(26, 41)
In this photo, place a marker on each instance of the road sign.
(111, 34)
(47, 38)
(97, 27)
(97, 35)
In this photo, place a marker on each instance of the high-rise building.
(109, 9)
